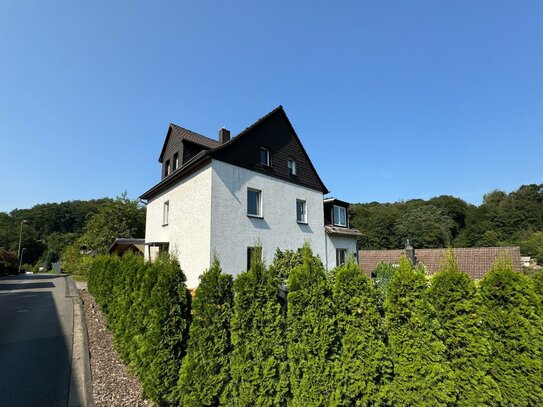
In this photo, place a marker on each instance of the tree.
(362, 353)
(205, 370)
(258, 359)
(454, 297)
(420, 376)
(311, 335)
(426, 227)
(512, 317)
(284, 262)
(121, 217)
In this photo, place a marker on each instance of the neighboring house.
(475, 261)
(122, 246)
(224, 197)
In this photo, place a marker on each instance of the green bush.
(148, 310)
(284, 262)
(454, 297)
(511, 318)
(205, 370)
(311, 336)
(258, 360)
(362, 354)
(420, 375)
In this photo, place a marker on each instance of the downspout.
(326, 249)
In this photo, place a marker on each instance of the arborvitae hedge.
(258, 359)
(205, 370)
(538, 287)
(420, 375)
(511, 318)
(147, 305)
(312, 337)
(362, 353)
(454, 297)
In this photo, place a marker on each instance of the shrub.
(511, 317)
(147, 306)
(454, 297)
(284, 262)
(204, 371)
(361, 360)
(420, 376)
(258, 360)
(312, 337)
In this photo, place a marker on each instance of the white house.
(223, 197)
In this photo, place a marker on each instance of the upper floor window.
(167, 168)
(291, 163)
(301, 211)
(175, 161)
(340, 216)
(165, 213)
(254, 202)
(264, 156)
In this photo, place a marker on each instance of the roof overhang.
(334, 230)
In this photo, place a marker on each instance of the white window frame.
(165, 213)
(168, 168)
(268, 159)
(258, 203)
(341, 257)
(304, 211)
(175, 161)
(337, 221)
(291, 165)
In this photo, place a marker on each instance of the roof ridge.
(193, 132)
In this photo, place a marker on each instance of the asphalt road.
(36, 326)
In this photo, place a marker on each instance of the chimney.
(410, 253)
(224, 135)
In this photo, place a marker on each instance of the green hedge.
(434, 341)
(148, 310)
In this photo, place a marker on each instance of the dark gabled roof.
(216, 148)
(474, 261)
(186, 134)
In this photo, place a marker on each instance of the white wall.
(232, 231)
(334, 242)
(189, 224)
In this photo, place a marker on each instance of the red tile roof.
(476, 261)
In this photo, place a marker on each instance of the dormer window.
(264, 156)
(340, 216)
(175, 161)
(291, 163)
(167, 168)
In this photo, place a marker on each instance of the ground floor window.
(341, 255)
(252, 252)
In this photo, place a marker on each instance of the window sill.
(301, 223)
(340, 226)
(255, 216)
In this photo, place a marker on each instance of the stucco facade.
(338, 242)
(189, 222)
(232, 231)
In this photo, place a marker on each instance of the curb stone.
(80, 392)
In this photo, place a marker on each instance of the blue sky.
(392, 99)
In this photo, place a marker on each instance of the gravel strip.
(112, 384)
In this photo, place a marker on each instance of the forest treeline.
(502, 219)
(56, 229)
(50, 230)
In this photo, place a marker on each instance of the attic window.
(175, 161)
(167, 169)
(264, 156)
(291, 163)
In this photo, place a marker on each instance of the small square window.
(340, 216)
(264, 156)
(301, 211)
(175, 161)
(291, 163)
(165, 213)
(341, 255)
(254, 202)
